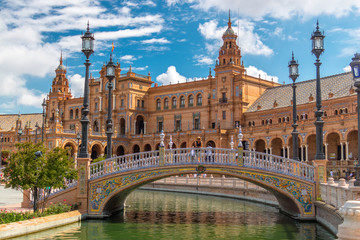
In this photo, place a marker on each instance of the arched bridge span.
(110, 181)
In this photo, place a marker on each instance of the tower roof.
(229, 30)
(61, 66)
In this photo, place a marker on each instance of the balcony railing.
(223, 100)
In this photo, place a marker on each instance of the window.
(213, 125)
(197, 123)
(96, 106)
(166, 103)
(224, 115)
(138, 103)
(191, 101)
(174, 102)
(178, 125)
(76, 113)
(71, 114)
(158, 104)
(160, 126)
(237, 93)
(182, 101)
(199, 100)
(122, 103)
(237, 124)
(142, 103)
(96, 126)
(213, 93)
(96, 89)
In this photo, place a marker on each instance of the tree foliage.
(39, 174)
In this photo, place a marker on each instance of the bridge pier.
(319, 175)
(83, 165)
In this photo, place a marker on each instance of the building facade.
(211, 108)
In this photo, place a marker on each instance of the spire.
(229, 22)
(293, 59)
(88, 27)
(317, 24)
(61, 61)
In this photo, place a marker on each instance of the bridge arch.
(282, 188)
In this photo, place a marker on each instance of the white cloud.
(77, 85)
(203, 60)
(249, 41)
(170, 76)
(347, 69)
(128, 58)
(156, 40)
(134, 69)
(279, 9)
(253, 71)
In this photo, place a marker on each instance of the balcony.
(223, 100)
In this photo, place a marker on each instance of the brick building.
(211, 108)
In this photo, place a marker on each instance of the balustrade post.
(319, 174)
(162, 149)
(240, 160)
(83, 178)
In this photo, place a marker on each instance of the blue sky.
(174, 40)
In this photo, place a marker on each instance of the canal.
(166, 215)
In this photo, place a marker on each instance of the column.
(288, 152)
(114, 101)
(284, 154)
(100, 107)
(302, 153)
(134, 127)
(326, 151)
(342, 151)
(144, 127)
(347, 150)
(306, 153)
(270, 151)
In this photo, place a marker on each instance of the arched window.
(199, 100)
(249, 124)
(71, 114)
(262, 122)
(346, 110)
(174, 102)
(270, 121)
(166, 103)
(253, 123)
(191, 101)
(279, 120)
(77, 113)
(96, 126)
(336, 112)
(158, 104)
(182, 101)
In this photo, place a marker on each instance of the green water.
(164, 215)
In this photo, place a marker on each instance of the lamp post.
(294, 74)
(87, 49)
(110, 74)
(36, 128)
(20, 133)
(355, 68)
(317, 48)
(43, 123)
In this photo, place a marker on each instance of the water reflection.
(162, 215)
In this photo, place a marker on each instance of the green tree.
(38, 172)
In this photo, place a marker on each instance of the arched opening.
(174, 102)
(96, 127)
(77, 113)
(158, 104)
(120, 151)
(122, 126)
(71, 148)
(71, 114)
(199, 99)
(147, 148)
(276, 146)
(353, 145)
(191, 101)
(95, 151)
(333, 148)
(182, 101)
(260, 145)
(311, 142)
(139, 125)
(291, 148)
(157, 146)
(136, 148)
(183, 145)
(210, 143)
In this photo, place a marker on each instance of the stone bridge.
(102, 187)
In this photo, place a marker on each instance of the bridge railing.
(206, 156)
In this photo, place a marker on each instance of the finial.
(162, 136)
(240, 137)
(232, 142)
(130, 69)
(229, 22)
(209, 71)
(61, 61)
(88, 26)
(317, 24)
(170, 142)
(293, 55)
(149, 74)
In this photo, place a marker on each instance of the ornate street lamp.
(36, 128)
(87, 49)
(43, 123)
(294, 74)
(20, 133)
(355, 68)
(110, 74)
(317, 48)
